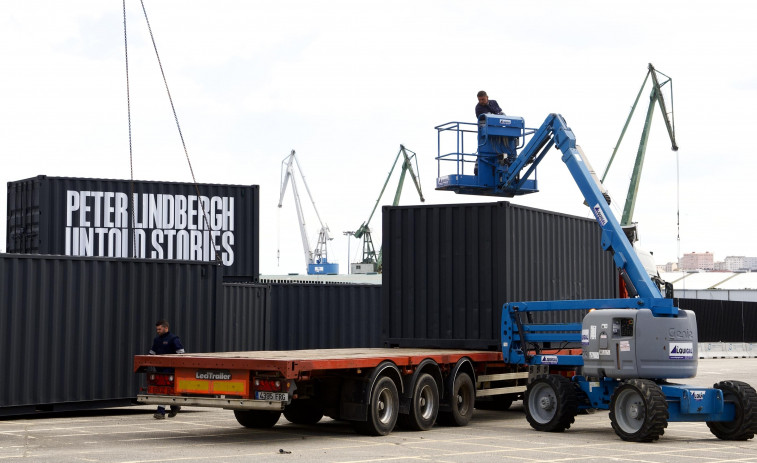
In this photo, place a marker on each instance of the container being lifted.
(316, 260)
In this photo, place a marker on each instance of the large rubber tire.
(551, 403)
(257, 418)
(463, 400)
(639, 411)
(382, 410)
(305, 411)
(424, 405)
(744, 399)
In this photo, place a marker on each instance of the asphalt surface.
(132, 435)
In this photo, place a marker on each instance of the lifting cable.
(131, 158)
(178, 126)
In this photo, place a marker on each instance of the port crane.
(316, 259)
(630, 346)
(656, 98)
(371, 262)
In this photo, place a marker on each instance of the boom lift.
(631, 346)
(317, 259)
(371, 262)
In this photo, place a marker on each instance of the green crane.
(370, 258)
(656, 97)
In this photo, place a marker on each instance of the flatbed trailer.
(373, 388)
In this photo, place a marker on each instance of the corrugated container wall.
(70, 326)
(448, 269)
(244, 323)
(723, 321)
(93, 217)
(325, 316)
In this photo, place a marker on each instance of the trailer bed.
(294, 364)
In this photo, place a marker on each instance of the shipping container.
(723, 321)
(313, 316)
(70, 326)
(244, 321)
(143, 219)
(448, 269)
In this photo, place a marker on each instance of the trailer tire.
(551, 403)
(383, 409)
(639, 411)
(303, 411)
(744, 424)
(257, 418)
(424, 404)
(463, 399)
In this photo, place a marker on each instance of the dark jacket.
(492, 108)
(166, 344)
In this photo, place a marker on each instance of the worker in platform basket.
(165, 343)
(485, 105)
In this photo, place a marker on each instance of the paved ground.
(132, 435)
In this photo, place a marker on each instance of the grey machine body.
(633, 343)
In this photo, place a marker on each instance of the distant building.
(721, 267)
(740, 263)
(669, 267)
(734, 263)
(697, 261)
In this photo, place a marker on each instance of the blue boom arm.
(554, 131)
(503, 171)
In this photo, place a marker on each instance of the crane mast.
(372, 262)
(655, 98)
(316, 260)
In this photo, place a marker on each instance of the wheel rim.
(464, 400)
(542, 403)
(385, 406)
(426, 402)
(630, 410)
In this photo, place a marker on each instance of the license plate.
(275, 396)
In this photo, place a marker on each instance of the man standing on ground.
(485, 105)
(165, 343)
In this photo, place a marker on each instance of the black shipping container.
(449, 269)
(244, 321)
(723, 321)
(70, 326)
(94, 217)
(307, 316)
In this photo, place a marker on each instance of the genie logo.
(599, 215)
(680, 334)
(505, 122)
(681, 351)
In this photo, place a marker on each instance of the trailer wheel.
(257, 418)
(744, 424)
(382, 410)
(424, 406)
(551, 403)
(639, 411)
(303, 411)
(463, 402)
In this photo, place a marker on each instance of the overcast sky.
(345, 83)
